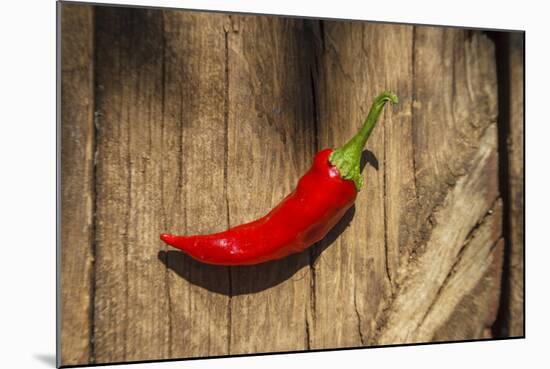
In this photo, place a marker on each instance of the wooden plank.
(430, 275)
(131, 320)
(478, 266)
(475, 314)
(77, 150)
(193, 176)
(271, 140)
(166, 111)
(516, 179)
(456, 171)
(357, 63)
(455, 101)
(481, 305)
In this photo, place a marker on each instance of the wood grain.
(455, 158)
(131, 320)
(271, 137)
(77, 181)
(357, 268)
(429, 275)
(474, 316)
(193, 177)
(205, 121)
(516, 162)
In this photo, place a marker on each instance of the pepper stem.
(348, 157)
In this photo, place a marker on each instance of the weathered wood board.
(516, 187)
(77, 182)
(270, 139)
(191, 122)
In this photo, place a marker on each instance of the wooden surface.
(205, 121)
(77, 182)
(270, 140)
(515, 73)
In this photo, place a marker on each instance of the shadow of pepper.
(241, 280)
(368, 157)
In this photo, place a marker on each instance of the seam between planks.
(93, 244)
(225, 176)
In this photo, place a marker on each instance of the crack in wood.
(181, 167)
(361, 338)
(225, 175)
(315, 113)
(469, 237)
(127, 238)
(413, 123)
(315, 110)
(322, 30)
(307, 337)
(407, 287)
(504, 323)
(164, 216)
(385, 206)
(94, 181)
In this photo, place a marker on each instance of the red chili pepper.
(305, 216)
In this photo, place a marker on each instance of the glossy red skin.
(302, 218)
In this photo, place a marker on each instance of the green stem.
(348, 157)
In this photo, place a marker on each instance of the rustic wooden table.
(191, 122)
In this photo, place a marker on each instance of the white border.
(27, 185)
